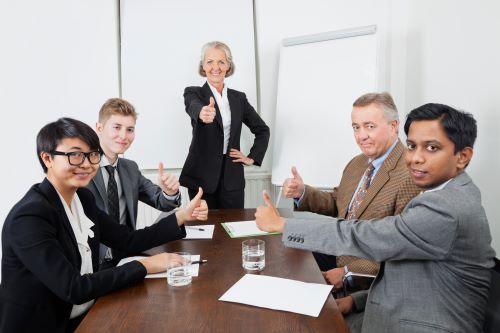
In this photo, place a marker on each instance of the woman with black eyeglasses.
(50, 239)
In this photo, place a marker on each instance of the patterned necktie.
(365, 266)
(113, 203)
(361, 192)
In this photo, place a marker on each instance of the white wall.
(58, 58)
(436, 51)
(453, 57)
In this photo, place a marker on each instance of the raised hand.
(196, 209)
(167, 181)
(207, 113)
(240, 157)
(293, 187)
(267, 217)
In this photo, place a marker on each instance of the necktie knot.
(369, 172)
(110, 169)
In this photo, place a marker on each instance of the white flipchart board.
(320, 76)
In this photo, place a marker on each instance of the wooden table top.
(154, 306)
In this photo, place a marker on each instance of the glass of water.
(253, 254)
(179, 273)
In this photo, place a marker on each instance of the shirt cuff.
(172, 197)
(297, 201)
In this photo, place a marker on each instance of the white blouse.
(81, 225)
(225, 112)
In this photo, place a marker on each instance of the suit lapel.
(235, 106)
(51, 194)
(207, 93)
(382, 177)
(98, 182)
(125, 181)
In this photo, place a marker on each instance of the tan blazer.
(389, 192)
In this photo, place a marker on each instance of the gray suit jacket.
(435, 259)
(135, 187)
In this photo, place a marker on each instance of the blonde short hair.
(116, 106)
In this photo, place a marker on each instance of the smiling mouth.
(418, 173)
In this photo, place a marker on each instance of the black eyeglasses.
(77, 157)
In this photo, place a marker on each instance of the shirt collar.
(439, 187)
(379, 160)
(216, 93)
(104, 162)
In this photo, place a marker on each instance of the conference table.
(154, 306)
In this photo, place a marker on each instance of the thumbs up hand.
(207, 113)
(196, 209)
(167, 181)
(293, 187)
(267, 217)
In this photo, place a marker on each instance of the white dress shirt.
(225, 112)
(81, 225)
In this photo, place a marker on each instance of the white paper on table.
(194, 268)
(279, 294)
(244, 229)
(192, 233)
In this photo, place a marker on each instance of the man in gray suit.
(434, 275)
(119, 184)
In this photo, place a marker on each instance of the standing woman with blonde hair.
(217, 113)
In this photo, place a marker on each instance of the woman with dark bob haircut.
(50, 239)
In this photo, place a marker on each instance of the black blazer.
(41, 264)
(204, 161)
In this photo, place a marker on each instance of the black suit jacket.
(41, 264)
(204, 161)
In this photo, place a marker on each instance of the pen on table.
(194, 228)
(199, 262)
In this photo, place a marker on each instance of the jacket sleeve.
(259, 128)
(34, 240)
(152, 194)
(425, 230)
(319, 202)
(193, 102)
(120, 237)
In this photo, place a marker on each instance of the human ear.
(464, 157)
(46, 159)
(98, 127)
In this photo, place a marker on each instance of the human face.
(215, 66)
(373, 133)
(116, 134)
(65, 177)
(430, 157)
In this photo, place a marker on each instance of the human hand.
(168, 181)
(188, 213)
(240, 157)
(201, 212)
(158, 263)
(345, 304)
(207, 113)
(293, 187)
(335, 276)
(267, 217)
